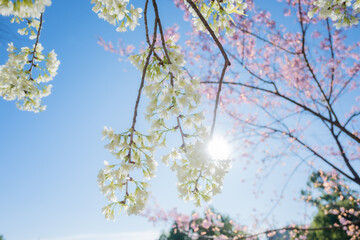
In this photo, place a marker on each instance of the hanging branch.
(158, 20)
(183, 135)
(151, 49)
(226, 63)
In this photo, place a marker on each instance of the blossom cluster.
(335, 198)
(173, 104)
(24, 76)
(218, 15)
(343, 12)
(31, 27)
(23, 9)
(17, 81)
(134, 155)
(116, 12)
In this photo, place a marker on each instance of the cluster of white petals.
(31, 28)
(135, 158)
(116, 12)
(199, 176)
(172, 109)
(17, 81)
(343, 12)
(24, 76)
(218, 15)
(23, 9)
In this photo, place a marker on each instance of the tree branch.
(151, 49)
(226, 63)
(31, 62)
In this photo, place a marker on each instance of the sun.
(218, 148)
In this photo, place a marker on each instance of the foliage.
(213, 224)
(337, 217)
(336, 204)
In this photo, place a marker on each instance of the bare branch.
(306, 108)
(267, 41)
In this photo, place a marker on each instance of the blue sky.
(49, 161)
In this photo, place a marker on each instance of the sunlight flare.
(219, 149)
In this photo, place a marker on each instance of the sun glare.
(219, 148)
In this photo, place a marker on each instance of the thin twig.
(306, 108)
(303, 30)
(267, 41)
(157, 17)
(31, 62)
(333, 60)
(181, 132)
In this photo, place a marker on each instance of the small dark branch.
(226, 63)
(146, 22)
(216, 40)
(243, 50)
(277, 94)
(267, 41)
(157, 17)
(303, 106)
(151, 49)
(318, 155)
(344, 87)
(218, 2)
(333, 59)
(345, 158)
(181, 132)
(196, 189)
(147, 33)
(217, 99)
(303, 30)
(31, 62)
(127, 187)
(288, 133)
(251, 72)
(341, 149)
(350, 118)
(276, 120)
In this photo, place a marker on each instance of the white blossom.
(18, 83)
(340, 11)
(173, 97)
(116, 12)
(217, 14)
(23, 9)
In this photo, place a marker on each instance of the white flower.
(116, 12)
(24, 9)
(18, 83)
(340, 11)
